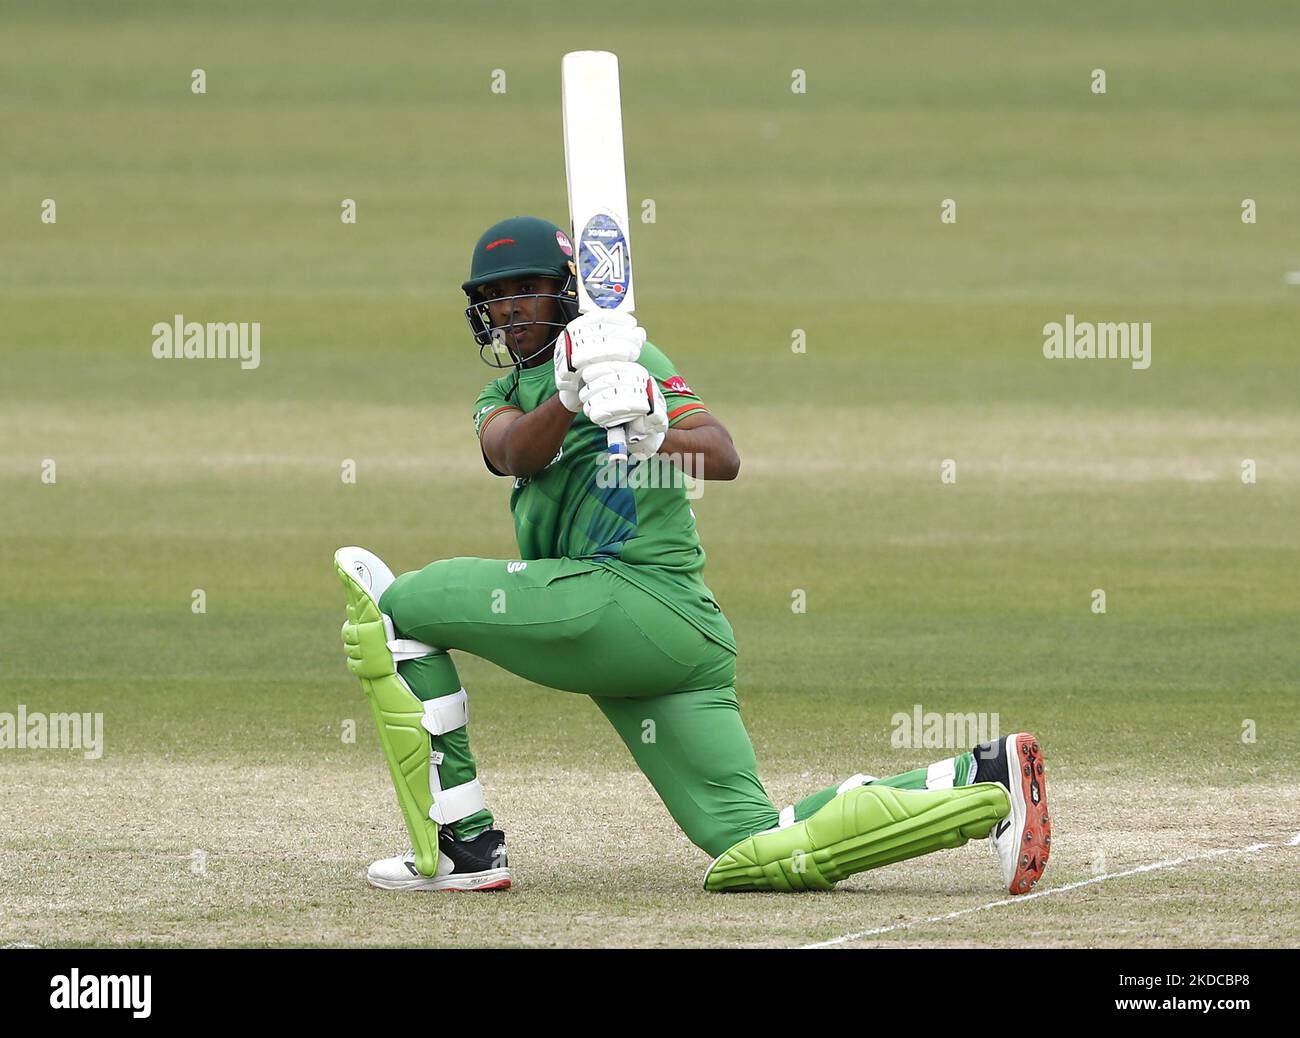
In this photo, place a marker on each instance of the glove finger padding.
(610, 372)
(615, 392)
(597, 337)
(621, 319)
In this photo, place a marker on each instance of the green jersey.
(641, 526)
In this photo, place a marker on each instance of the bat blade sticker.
(604, 262)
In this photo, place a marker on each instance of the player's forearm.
(533, 440)
(713, 454)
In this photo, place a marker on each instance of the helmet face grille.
(495, 341)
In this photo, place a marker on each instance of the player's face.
(515, 304)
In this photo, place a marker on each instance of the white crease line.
(1021, 899)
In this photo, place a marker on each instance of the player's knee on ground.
(714, 840)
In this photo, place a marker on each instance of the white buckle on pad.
(446, 713)
(451, 805)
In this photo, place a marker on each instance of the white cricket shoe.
(477, 864)
(1022, 840)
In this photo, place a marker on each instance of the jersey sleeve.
(490, 404)
(680, 398)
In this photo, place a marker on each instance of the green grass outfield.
(227, 809)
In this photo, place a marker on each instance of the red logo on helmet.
(562, 240)
(501, 241)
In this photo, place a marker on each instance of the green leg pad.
(398, 714)
(861, 829)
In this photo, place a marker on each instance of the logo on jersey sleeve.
(677, 384)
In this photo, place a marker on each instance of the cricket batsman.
(607, 599)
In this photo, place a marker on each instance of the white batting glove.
(593, 338)
(615, 392)
(568, 380)
(645, 435)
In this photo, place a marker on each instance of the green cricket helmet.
(516, 248)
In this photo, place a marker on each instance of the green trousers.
(569, 624)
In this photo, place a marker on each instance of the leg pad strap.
(451, 805)
(446, 713)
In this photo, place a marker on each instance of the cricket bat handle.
(616, 440)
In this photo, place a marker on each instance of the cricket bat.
(593, 164)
